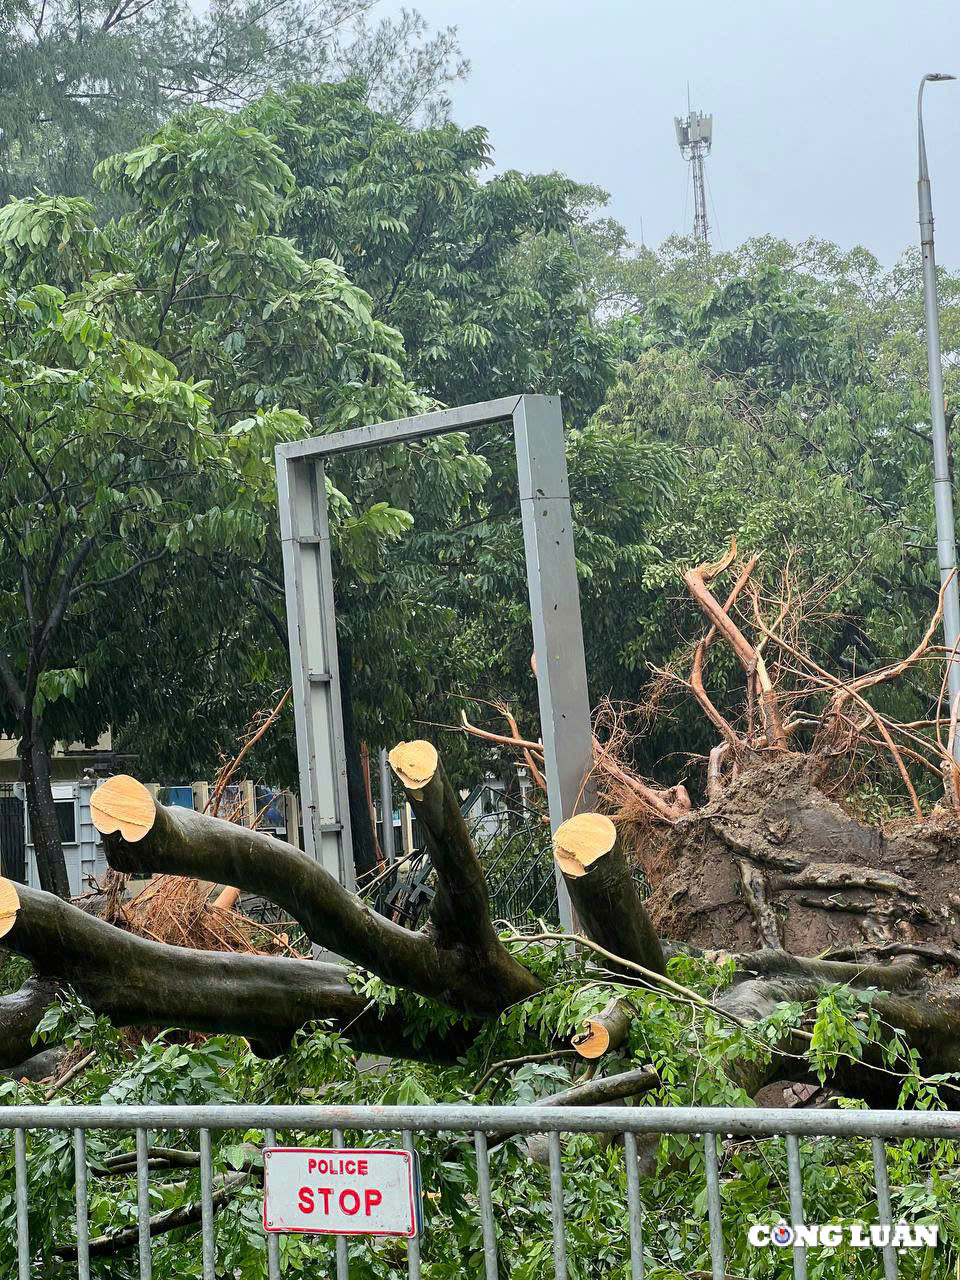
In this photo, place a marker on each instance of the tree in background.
(407, 215)
(80, 81)
(148, 368)
(800, 432)
(413, 219)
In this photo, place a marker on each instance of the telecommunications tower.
(695, 137)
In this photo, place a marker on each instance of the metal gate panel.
(13, 839)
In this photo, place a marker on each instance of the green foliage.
(82, 80)
(148, 368)
(690, 1048)
(407, 215)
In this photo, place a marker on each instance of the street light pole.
(942, 489)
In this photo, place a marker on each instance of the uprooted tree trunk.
(770, 870)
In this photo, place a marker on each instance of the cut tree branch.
(136, 982)
(602, 889)
(139, 832)
(460, 911)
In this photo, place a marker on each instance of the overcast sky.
(813, 105)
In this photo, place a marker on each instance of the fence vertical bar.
(713, 1206)
(795, 1181)
(633, 1206)
(883, 1205)
(273, 1243)
(206, 1207)
(343, 1258)
(143, 1204)
(486, 1206)
(23, 1223)
(386, 807)
(413, 1244)
(83, 1216)
(556, 1206)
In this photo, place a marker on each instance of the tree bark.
(466, 976)
(603, 892)
(136, 982)
(20, 1012)
(44, 828)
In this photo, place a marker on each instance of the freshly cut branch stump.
(602, 889)
(123, 804)
(460, 920)
(581, 840)
(605, 1031)
(415, 764)
(9, 906)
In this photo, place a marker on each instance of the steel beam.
(467, 418)
(565, 725)
(314, 666)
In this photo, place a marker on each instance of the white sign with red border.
(341, 1191)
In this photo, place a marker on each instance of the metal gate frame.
(554, 607)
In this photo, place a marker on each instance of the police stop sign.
(341, 1191)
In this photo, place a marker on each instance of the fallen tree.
(771, 875)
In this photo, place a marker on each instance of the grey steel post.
(714, 1207)
(314, 664)
(634, 1207)
(208, 1240)
(273, 1241)
(942, 488)
(386, 808)
(143, 1204)
(554, 610)
(556, 1209)
(487, 1226)
(23, 1212)
(340, 1247)
(413, 1244)
(83, 1213)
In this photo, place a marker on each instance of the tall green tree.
(147, 370)
(413, 220)
(81, 81)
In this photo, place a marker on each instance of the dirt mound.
(773, 853)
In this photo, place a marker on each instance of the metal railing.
(484, 1124)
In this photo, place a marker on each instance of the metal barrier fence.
(483, 1123)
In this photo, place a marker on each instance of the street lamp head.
(921, 144)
